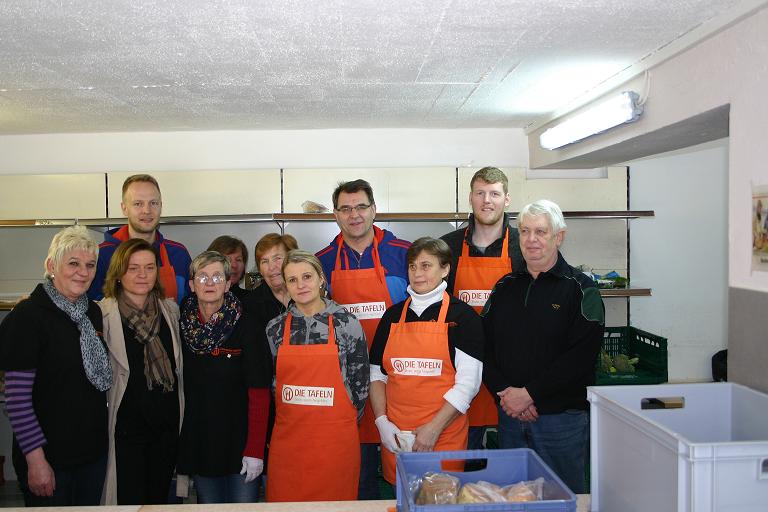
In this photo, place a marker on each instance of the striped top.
(21, 412)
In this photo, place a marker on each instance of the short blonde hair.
(140, 178)
(299, 256)
(72, 238)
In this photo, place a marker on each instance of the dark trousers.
(368, 488)
(145, 466)
(561, 440)
(75, 486)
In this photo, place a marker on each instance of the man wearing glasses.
(367, 271)
(142, 204)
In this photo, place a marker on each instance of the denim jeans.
(368, 488)
(475, 438)
(226, 489)
(560, 440)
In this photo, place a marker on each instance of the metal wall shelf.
(625, 292)
(310, 217)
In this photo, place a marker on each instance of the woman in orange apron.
(321, 385)
(425, 361)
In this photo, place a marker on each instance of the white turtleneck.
(469, 371)
(420, 302)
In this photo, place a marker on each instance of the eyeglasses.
(214, 279)
(360, 208)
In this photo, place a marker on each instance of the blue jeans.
(226, 489)
(368, 488)
(475, 438)
(560, 440)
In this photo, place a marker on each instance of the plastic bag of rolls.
(444, 489)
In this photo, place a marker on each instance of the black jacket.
(72, 413)
(544, 334)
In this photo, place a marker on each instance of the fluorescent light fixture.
(620, 109)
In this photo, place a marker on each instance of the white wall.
(167, 151)
(682, 254)
(728, 68)
(22, 250)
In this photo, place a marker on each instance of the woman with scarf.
(228, 371)
(57, 374)
(146, 402)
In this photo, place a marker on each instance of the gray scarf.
(95, 360)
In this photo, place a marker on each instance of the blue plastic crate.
(505, 467)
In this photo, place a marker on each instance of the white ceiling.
(127, 65)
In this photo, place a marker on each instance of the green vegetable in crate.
(624, 364)
(605, 362)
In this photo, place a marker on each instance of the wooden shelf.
(625, 292)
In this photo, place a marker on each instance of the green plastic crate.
(650, 349)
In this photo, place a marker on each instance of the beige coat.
(113, 335)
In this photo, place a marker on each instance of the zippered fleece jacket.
(544, 334)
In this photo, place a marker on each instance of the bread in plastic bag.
(438, 489)
(481, 492)
(530, 490)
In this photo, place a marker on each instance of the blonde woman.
(321, 385)
(57, 375)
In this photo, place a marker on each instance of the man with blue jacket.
(367, 271)
(142, 204)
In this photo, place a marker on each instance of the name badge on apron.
(475, 298)
(307, 395)
(417, 367)
(366, 310)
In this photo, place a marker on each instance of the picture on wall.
(760, 228)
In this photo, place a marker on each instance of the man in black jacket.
(544, 327)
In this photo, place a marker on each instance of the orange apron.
(167, 275)
(419, 372)
(364, 293)
(314, 453)
(475, 278)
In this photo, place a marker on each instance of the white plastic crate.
(711, 455)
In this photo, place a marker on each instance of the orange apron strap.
(504, 244)
(405, 310)
(167, 275)
(374, 255)
(287, 330)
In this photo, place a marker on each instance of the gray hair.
(205, 258)
(544, 207)
(72, 238)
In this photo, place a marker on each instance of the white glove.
(387, 431)
(252, 468)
